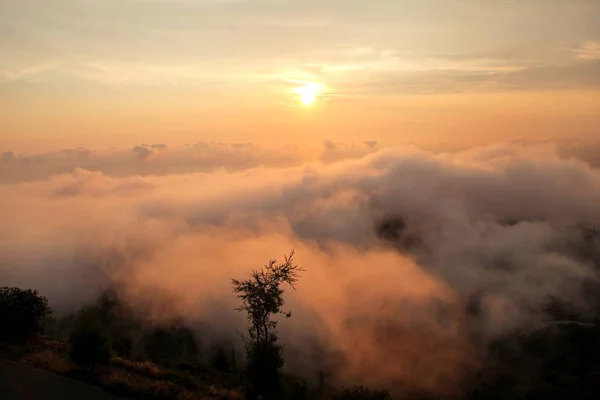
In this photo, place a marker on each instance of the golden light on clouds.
(309, 92)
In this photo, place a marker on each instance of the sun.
(309, 92)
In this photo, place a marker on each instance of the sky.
(103, 73)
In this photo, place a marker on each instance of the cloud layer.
(414, 260)
(405, 46)
(160, 159)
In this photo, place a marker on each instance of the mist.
(414, 260)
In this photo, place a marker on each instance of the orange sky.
(123, 72)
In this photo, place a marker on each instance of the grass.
(49, 360)
(153, 371)
(140, 387)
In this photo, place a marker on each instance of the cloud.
(265, 39)
(30, 73)
(589, 51)
(406, 251)
(160, 159)
(143, 152)
(329, 145)
(585, 74)
(582, 74)
(8, 155)
(340, 150)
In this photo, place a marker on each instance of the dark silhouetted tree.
(89, 343)
(262, 299)
(22, 313)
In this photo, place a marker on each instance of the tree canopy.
(23, 312)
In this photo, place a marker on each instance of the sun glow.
(309, 92)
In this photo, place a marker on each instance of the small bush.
(192, 367)
(22, 313)
(296, 389)
(167, 343)
(123, 347)
(89, 344)
(220, 361)
(362, 393)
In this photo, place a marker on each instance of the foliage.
(558, 362)
(119, 321)
(123, 347)
(262, 299)
(295, 389)
(262, 295)
(362, 393)
(89, 344)
(60, 326)
(220, 361)
(164, 343)
(22, 313)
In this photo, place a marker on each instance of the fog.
(414, 260)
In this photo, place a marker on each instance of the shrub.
(22, 313)
(362, 393)
(164, 344)
(88, 341)
(123, 347)
(296, 389)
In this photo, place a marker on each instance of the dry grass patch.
(167, 382)
(213, 392)
(153, 371)
(49, 360)
(139, 387)
(146, 368)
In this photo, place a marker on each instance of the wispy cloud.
(161, 159)
(158, 42)
(31, 73)
(589, 51)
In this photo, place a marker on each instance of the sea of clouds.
(414, 259)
